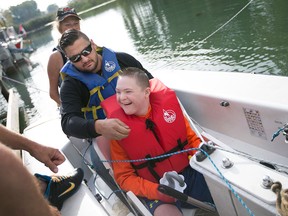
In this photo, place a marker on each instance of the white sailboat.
(239, 113)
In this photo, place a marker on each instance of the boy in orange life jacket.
(158, 126)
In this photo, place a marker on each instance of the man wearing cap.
(66, 18)
(90, 77)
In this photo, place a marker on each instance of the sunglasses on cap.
(85, 52)
(65, 11)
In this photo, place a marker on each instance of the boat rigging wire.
(193, 123)
(91, 166)
(222, 26)
(197, 44)
(22, 83)
(213, 33)
(219, 172)
(105, 197)
(276, 166)
(187, 150)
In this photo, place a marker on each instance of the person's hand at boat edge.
(112, 128)
(51, 157)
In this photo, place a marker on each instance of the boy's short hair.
(140, 76)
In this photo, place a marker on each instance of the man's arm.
(49, 156)
(16, 141)
(20, 194)
(75, 95)
(76, 126)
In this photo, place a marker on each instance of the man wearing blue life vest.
(89, 77)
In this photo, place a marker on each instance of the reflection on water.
(186, 34)
(170, 31)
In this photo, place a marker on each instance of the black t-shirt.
(74, 95)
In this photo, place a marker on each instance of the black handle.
(185, 198)
(172, 192)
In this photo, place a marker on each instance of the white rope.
(22, 83)
(226, 23)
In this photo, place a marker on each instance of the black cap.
(63, 13)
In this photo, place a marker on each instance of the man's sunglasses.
(84, 52)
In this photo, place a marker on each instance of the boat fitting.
(226, 163)
(267, 182)
(224, 103)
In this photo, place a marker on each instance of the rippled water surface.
(215, 35)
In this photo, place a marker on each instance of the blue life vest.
(100, 87)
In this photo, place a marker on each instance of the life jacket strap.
(92, 109)
(151, 126)
(151, 164)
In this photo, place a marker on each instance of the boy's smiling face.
(133, 99)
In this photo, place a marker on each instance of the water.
(169, 34)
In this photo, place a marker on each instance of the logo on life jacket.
(169, 116)
(109, 66)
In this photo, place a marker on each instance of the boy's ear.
(147, 91)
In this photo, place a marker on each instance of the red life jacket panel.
(164, 132)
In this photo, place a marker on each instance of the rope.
(277, 133)
(214, 32)
(226, 23)
(191, 149)
(22, 83)
(276, 165)
(109, 196)
(229, 185)
(106, 176)
(197, 44)
(183, 151)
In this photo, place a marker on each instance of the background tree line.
(31, 18)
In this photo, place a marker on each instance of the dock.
(12, 98)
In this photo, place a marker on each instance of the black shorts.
(196, 188)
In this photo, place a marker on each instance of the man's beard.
(91, 70)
